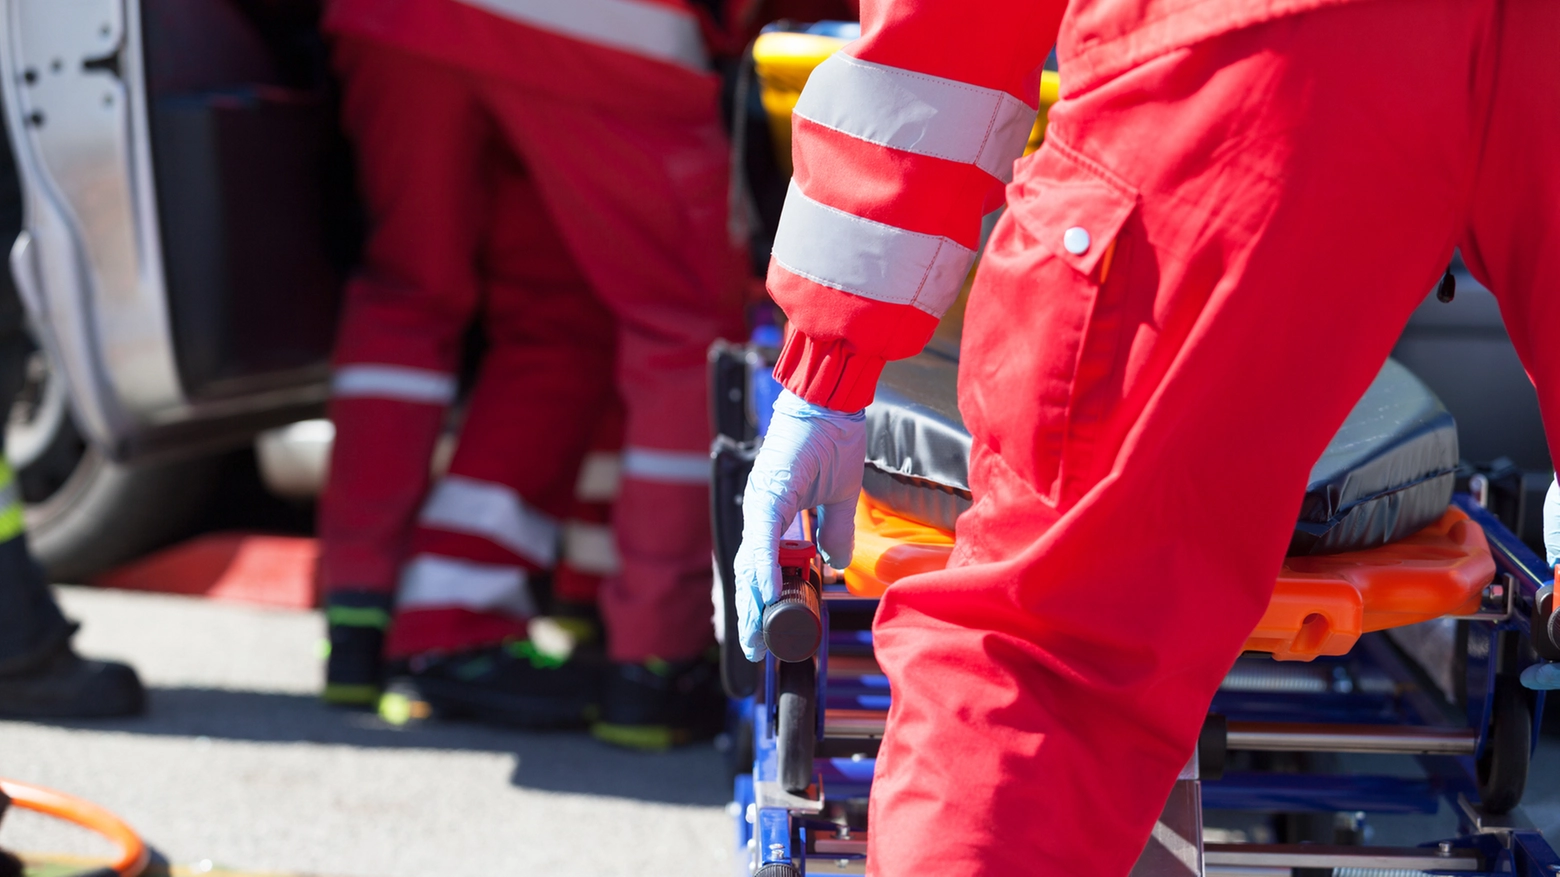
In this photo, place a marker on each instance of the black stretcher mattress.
(1387, 473)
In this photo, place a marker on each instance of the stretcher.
(1386, 559)
(1402, 618)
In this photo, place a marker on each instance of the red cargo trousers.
(1264, 210)
(570, 230)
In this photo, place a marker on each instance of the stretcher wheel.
(778, 869)
(1503, 767)
(796, 726)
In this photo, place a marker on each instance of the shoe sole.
(642, 738)
(339, 694)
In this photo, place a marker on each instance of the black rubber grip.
(793, 625)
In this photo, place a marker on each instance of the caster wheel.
(796, 731)
(778, 869)
(1503, 768)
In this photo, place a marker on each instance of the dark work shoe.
(60, 684)
(515, 684)
(354, 670)
(658, 704)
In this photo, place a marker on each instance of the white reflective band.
(873, 260)
(430, 581)
(672, 467)
(926, 115)
(590, 548)
(492, 511)
(599, 475)
(651, 30)
(399, 382)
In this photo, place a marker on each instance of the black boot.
(656, 705)
(56, 683)
(41, 676)
(354, 671)
(514, 684)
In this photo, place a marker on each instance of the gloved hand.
(811, 457)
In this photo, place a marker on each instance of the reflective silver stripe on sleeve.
(650, 30)
(492, 511)
(914, 112)
(671, 467)
(430, 581)
(599, 474)
(590, 548)
(398, 382)
(870, 259)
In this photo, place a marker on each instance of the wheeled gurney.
(1399, 626)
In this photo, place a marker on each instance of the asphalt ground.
(237, 766)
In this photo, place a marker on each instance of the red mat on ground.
(244, 567)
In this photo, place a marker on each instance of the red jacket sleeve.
(901, 142)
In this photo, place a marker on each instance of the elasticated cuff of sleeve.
(828, 373)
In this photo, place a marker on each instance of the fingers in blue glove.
(1542, 677)
(837, 532)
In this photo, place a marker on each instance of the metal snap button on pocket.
(1076, 240)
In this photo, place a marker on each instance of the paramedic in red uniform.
(1236, 207)
(558, 169)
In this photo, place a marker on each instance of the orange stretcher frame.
(133, 853)
(1321, 605)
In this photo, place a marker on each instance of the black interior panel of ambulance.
(253, 190)
(1387, 473)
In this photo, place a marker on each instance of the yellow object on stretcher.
(784, 61)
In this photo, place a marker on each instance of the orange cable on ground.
(134, 856)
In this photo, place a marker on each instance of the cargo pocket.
(1074, 210)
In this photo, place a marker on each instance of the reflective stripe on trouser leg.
(666, 467)
(600, 474)
(648, 29)
(448, 604)
(398, 382)
(495, 512)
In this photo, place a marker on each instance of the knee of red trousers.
(990, 736)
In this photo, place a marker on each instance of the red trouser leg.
(544, 385)
(1264, 210)
(589, 551)
(1512, 239)
(421, 144)
(641, 202)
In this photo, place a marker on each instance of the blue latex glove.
(811, 457)
(1542, 677)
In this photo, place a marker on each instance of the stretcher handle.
(793, 624)
(134, 857)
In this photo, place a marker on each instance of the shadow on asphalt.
(569, 762)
